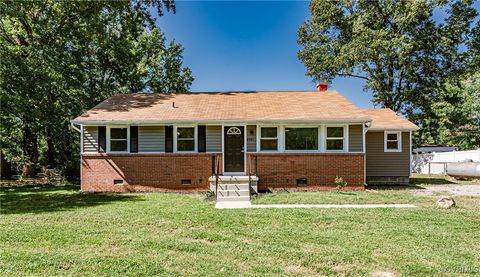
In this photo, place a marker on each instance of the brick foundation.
(165, 172)
(276, 171)
(145, 172)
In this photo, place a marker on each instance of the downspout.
(366, 127)
(75, 127)
(80, 130)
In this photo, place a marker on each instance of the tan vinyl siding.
(214, 138)
(151, 139)
(90, 139)
(355, 138)
(381, 163)
(251, 138)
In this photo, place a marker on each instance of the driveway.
(463, 190)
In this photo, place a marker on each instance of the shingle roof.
(325, 106)
(386, 119)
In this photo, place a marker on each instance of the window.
(119, 139)
(393, 142)
(301, 138)
(268, 139)
(185, 139)
(335, 138)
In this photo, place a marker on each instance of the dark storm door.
(234, 149)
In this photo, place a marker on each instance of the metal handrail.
(217, 169)
(249, 164)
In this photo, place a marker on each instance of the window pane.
(185, 132)
(186, 145)
(269, 132)
(335, 144)
(268, 144)
(334, 132)
(118, 133)
(392, 144)
(391, 136)
(118, 145)
(301, 138)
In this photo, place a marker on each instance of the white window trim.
(399, 139)
(109, 127)
(300, 150)
(195, 138)
(259, 138)
(344, 138)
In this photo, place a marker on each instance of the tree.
(397, 47)
(57, 59)
(456, 115)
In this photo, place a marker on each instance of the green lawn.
(59, 231)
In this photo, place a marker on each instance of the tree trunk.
(5, 166)
(50, 153)
(30, 149)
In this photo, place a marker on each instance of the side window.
(335, 138)
(185, 139)
(393, 142)
(119, 139)
(268, 139)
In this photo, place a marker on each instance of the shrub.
(340, 182)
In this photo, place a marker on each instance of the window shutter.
(133, 139)
(202, 141)
(168, 139)
(102, 139)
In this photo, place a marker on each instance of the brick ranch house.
(296, 139)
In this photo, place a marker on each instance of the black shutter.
(102, 139)
(168, 139)
(202, 140)
(133, 139)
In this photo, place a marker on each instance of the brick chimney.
(322, 86)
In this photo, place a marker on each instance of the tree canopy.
(60, 58)
(405, 55)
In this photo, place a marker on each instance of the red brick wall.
(282, 170)
(142, 172)
(164, 172)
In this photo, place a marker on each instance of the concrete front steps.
(234, 188)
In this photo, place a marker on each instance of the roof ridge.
(231, 91)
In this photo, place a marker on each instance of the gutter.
(103, 122)
(393, 129)
(72, 124)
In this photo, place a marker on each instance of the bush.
(340, 182)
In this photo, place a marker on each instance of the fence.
(435, 163)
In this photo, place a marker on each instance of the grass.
(59, 231)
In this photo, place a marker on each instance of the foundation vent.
(302, 182)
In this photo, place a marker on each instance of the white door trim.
(244, 172)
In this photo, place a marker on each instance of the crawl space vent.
(302, 182)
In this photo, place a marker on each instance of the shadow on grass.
(415, 183)
(394, 187)
(429, 181)
(36, 199)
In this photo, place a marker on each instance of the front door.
(234, 149)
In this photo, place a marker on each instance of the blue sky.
(247, 45)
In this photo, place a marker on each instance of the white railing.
(435, 163)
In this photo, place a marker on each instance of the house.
(271, 140)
